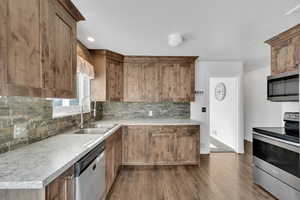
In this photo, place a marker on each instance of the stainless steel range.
(276, 158)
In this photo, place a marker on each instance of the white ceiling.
(213, 29)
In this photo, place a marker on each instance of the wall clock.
(220, 91)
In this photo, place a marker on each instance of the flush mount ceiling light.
(175, 39)
(91, 39)
(293, 10)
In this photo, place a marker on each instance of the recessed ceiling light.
(293, 10)
(91, 39)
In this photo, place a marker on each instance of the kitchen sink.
(92, 131)
(95, 129)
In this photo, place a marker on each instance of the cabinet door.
(20, 48)
(63, 187)
(110, 162)
(133, 82)
(135, 145)
(177, 82)
(285, 56)
(162, 144)
(118, 151)
(59, 51)
(187, 144)
(150, 82)
(114, 80)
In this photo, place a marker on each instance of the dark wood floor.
(221, 176)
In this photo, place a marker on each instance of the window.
(65, 107)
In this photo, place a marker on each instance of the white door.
(224, 110)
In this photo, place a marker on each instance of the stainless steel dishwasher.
(90, 175)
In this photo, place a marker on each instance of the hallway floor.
(218, 146)
(220, 176)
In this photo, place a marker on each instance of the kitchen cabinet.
(141, 82)
(159, 79)
(113, 157)
(285, 51)
(38, 48)
(135, 145)
(161, 145)
(108, 82)
(63, 187)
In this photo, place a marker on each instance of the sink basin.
(95, 129)
(108, 126)
(92, 131)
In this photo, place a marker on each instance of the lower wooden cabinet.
(161, 145)
(113, 152)
(63, 187)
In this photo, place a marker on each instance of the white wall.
(259, 112)
(223, 114)
(205, 70)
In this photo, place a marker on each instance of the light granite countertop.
(36, 165)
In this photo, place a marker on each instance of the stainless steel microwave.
(284, 87)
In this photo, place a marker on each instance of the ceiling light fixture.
(175, 39)
(91, 39)
(293, 10)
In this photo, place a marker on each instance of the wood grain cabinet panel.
(37, 48)
(187, 141)
(110, 162)
(159, 79)
(108, 82)
(135, 145)
(285, 51)
(63, 187)
(161, 145)
(113, 153)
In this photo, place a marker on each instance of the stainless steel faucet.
(81, 114)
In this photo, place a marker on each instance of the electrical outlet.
(20, 131)
(150, 113)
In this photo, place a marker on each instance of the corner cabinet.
(108, 82)
(285, 51)
(159, 79)
(161, 145)
(38, 48)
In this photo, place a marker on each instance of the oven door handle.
(277, 142)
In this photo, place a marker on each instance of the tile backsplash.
(25, 120)
(117, 110)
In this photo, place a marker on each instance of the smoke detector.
(293, 10)
(175, 39)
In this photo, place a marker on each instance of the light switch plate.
(150, 113)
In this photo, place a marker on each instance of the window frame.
(83, 89)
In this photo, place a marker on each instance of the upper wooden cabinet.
(108, 82)
(159, 79)
(38, 48)
(285, 51)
